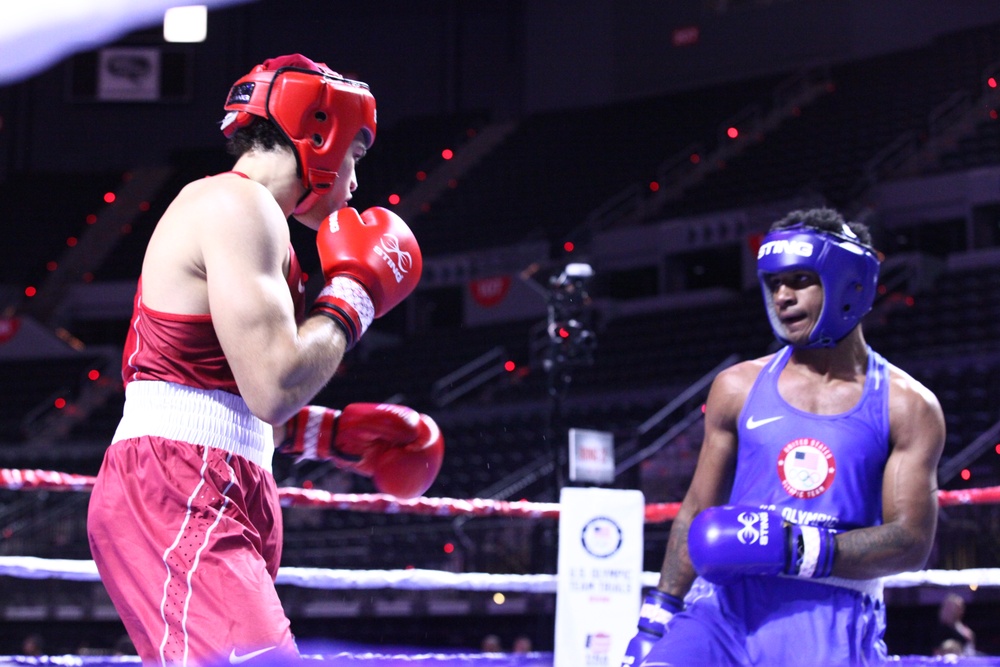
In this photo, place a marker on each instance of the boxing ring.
(345, 653)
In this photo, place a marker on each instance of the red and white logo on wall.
(8, 328)
(488, 292)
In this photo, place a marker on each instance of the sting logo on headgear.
(847, 270)
(781, 246)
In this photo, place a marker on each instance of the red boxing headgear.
(318, 110)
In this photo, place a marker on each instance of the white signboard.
(591, 456)
(599, 575)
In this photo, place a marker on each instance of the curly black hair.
(261, 134)
(825, 220)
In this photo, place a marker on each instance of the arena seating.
(41, 224)
(874, 102)
(561, 165)
(555, 169)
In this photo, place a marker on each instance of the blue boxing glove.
(725, 543)
(656, 610)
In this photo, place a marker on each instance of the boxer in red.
(221, 359)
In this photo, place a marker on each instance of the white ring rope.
(30, 567)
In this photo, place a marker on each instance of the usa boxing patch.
(806, 468)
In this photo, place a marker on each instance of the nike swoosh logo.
(754, 423)
(237, 659)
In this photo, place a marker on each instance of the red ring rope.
(386, 504)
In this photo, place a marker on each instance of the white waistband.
(212, 418)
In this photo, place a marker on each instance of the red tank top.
(184, 348)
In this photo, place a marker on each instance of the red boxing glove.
(370, 261)
(408, 471)
(399, 448)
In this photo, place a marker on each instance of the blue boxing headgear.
(847, 270)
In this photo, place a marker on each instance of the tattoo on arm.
(874, 552)
(677, 573)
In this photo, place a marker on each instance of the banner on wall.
(128, 74)
(501, 298)
(8, 328)
(22, 337)
(599, 578)
(489, 292)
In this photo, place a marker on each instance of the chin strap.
(320, 182)
(306, 202)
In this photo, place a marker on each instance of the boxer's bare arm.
(713, 476)
(222, 248)
(909, 489)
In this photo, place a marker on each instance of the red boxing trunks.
(187, 540)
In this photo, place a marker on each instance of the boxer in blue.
(817, 476)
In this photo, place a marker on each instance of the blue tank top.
(821, 470)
